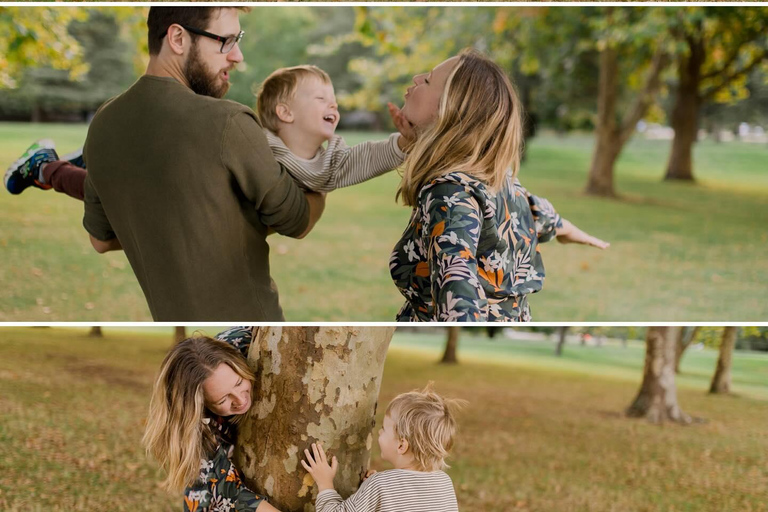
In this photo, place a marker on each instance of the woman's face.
(423, 97)
(227, 393)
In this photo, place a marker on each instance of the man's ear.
(402, 446)
(284, 113)
(176, 37)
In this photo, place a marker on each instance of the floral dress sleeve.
(451, 223)
(239, 337)
(545, 217)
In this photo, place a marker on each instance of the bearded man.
(184, 181)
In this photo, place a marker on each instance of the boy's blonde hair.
(426, 420)
(280, 87)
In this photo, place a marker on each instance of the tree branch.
(643, 100)
(708, 95)
(730, 60)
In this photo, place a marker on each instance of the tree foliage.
(34, 37)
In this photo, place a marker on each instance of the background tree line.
(602, 69)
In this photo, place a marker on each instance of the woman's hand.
(570, 234)
(407, 133)
(317, 466)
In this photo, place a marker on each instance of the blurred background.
(546, 427)
(664, 156)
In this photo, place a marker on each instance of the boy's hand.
(408, 135)
(369, 474)
(570, 234)
(317, 466)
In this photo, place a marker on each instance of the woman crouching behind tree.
(201, 394)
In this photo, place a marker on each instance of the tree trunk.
(562, 331)
(607, 148)
(684, 340)
(179, 333)
(721, 381)
(685, 113)
(657, 398)
(96, 332)
(313, 384)
(449, 356)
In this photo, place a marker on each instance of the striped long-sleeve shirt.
(339, 165)
(395, 490)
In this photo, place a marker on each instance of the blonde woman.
(470, 251)
(201, 393)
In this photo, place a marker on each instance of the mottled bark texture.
(312, 384)
(449, 356)
(657, 398)
(721, 381)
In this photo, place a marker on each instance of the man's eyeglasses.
(227, 43)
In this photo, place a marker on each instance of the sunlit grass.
(540, 433)
(680, 252)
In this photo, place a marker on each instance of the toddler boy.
(298, 111)
(416, 437)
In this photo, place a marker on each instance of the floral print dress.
(219, 486)
(469, 255)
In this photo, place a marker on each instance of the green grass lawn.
(540, 433)
(680, 252)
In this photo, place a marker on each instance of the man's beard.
(200, 79)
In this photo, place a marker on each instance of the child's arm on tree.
(317, 465)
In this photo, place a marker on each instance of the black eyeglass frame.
(223, 40)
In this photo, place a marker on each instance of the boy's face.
(388, 441)
(314, 109)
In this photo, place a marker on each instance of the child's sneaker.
(25, 172)
(75, 158)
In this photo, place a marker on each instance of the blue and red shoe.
(25, 172)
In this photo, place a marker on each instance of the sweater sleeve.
(366, 499)
(340, 165)
(279, 202)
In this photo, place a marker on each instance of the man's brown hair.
(161, 18)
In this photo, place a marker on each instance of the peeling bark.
(657, 399)
(449, 356)
(721, 381)
(312, 384)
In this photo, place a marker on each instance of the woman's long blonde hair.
(478, 130)
(176, 435)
